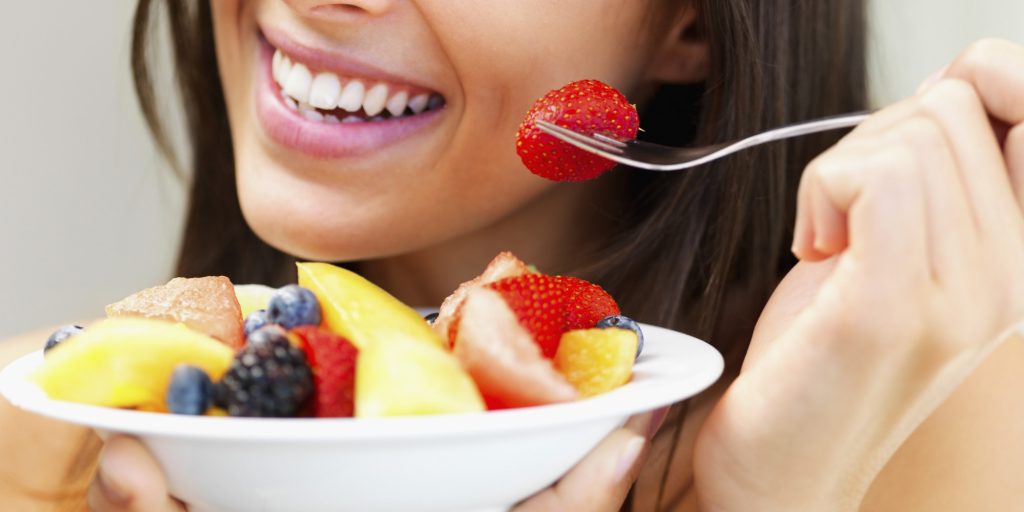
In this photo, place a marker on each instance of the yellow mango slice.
(127, 362)
(405, 377)
(360, 311)
(595, 361)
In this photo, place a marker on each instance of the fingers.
(960, 114)
(951, 227)
(945, 133)
(129, 480)
(996, 70)
(894, 200)
(601, 481)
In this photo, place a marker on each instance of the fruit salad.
(336, 345)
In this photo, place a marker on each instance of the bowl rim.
(674, 366)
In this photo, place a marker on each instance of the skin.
(865, 362)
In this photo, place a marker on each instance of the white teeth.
(275, 66)
(304, 92)
(313, 115)
(298, 82)
(325, 91)
(375, 99)
(351, 98)
(310, 113)
(418, 103)
(396, 105)
(284, 66)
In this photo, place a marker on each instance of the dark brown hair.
(691, 240)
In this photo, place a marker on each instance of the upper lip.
(327, 59)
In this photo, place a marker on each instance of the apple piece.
(253, 297)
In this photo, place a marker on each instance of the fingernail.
(932, 80)
(628, 457)
(657, 419)
(113, 490)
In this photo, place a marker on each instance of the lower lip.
(290, 129)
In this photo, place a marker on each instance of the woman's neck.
(556, 231)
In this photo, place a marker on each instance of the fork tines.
(597, 141)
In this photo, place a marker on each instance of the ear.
(681, 57)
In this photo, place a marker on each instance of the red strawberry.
(587, 106)
(548, 306)
(333, 360)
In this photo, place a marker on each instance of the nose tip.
(329, 9)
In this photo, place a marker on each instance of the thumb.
(129, 480)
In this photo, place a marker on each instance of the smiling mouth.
(325, 96)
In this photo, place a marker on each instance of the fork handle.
(818, 125)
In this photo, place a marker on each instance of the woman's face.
(431, 92)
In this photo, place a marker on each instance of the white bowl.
(449, 463)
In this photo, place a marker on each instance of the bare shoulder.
(45, 463)
(967, 455)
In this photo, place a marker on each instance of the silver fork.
(655, 157)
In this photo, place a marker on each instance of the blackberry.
(60, 335)
(268, 378)
(624, 322)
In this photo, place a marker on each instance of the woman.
(878, 358)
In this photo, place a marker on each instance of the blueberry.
(624, 322)
(431, 318)
(293, 306)
(255, 321)
(60, 335)
(190, 391)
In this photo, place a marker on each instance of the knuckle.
(980, 51)
(825, 168)
(950, 92)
